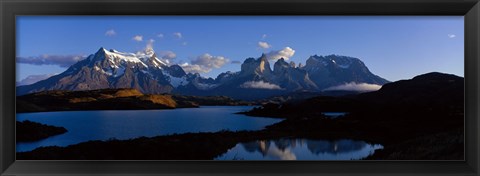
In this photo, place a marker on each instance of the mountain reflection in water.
(300, 149)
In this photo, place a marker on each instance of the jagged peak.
(281, 60)
(102, 50)
(281, 63)
(248, 60)
(258, 66)
(263, 57)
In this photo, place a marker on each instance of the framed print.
(254, 87)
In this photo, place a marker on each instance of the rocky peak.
(314, 60)
(280, 66)
(175, 71)
(259, 66)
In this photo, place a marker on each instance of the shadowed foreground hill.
(420, 118)
(431, 92)
(112, 99)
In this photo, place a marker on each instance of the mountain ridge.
(147, 73)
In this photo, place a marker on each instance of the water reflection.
(300, 149)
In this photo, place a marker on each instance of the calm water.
(103, 125)
(334, 114)
(300, 149)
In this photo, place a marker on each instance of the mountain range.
(147, 73)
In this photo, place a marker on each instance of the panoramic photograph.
(240, 88)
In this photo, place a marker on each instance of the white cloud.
(205, 63)
(33, 79)
(452, 35)
(138, 38)
(60, 60)
(352, 86)
(169, 55)
(194, 68)
(184, 43)
(149, 45)
(264, 36)
(110, 33)
(264, 45)
(210, 61)
(260, 85)
(160, 35)
(285, 53)
(178, 35)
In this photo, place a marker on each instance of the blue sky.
(393, 47)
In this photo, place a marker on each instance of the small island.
(32, 131)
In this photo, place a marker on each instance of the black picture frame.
(470, 9)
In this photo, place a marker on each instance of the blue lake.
(103, 125)
(300, 149)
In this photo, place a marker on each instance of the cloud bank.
(285, 53)
(60, 60)
(150, 44)
(33, 79)
(169, 55)
(260, 85)
(178, 35)
(264, 45)
(204, 63)
(138, 38)
(189, 68)
(352, 86)
(110, 33)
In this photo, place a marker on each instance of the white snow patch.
(108, 72)
(127, 57)
(158, 63)
(176, 81)
(119, 72)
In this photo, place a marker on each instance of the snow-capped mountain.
(113, 69)
(147, 73)
(332, 70)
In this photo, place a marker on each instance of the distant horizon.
(394, 48)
